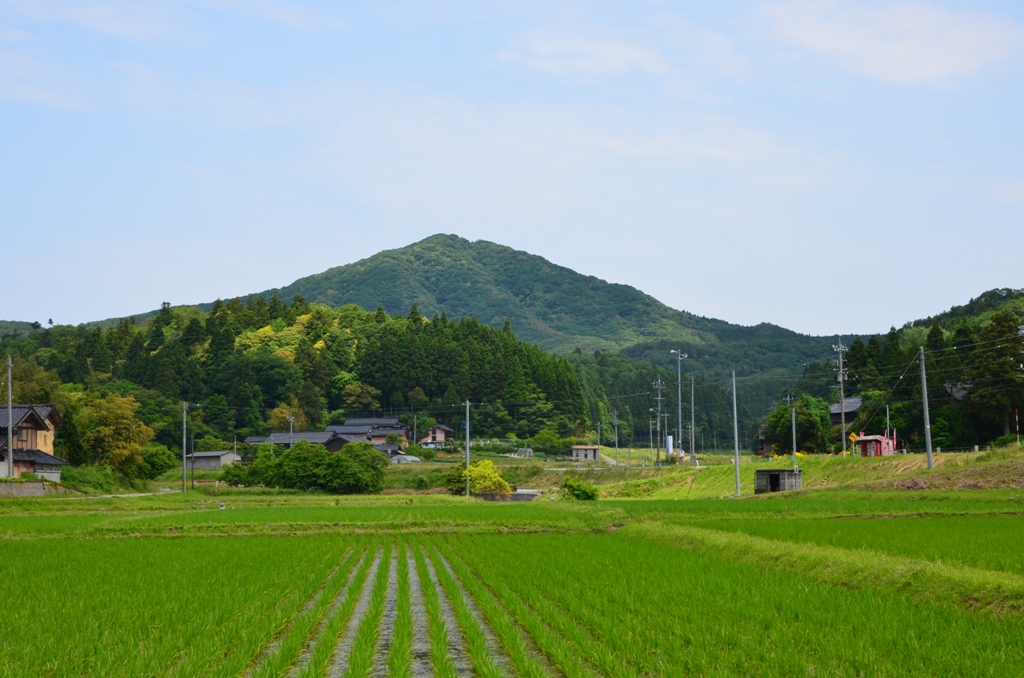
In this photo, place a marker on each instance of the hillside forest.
(249, 367)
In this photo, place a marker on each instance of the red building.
(876, 446)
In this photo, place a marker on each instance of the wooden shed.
(777, 480)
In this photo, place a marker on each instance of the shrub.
(156, 459)
(355, 469)
(581, 490)
(485, 478)
(89, 478)
(454, 481)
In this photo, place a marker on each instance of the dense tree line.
(975, 383)
(255, 366)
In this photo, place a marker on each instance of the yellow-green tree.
(112, 433)
(278, 418)
(485, 478)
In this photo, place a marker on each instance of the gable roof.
(315, 437)
(386, 430)
(48, 411)
(852, 404)
(350, 429)
(20, 414)
(373, 421)
(443, 428)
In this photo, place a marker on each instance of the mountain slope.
(550, 305)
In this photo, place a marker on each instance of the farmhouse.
(373, 429)
(437, 435)
(33, 427)
(585, 453)
(850, 405)
(203, 460)
(329, 439)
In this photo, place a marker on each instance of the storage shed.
(777, 480)
(584, 453)
(204, 460)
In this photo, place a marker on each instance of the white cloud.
(584, 56)
(901, 43)
(116, 18)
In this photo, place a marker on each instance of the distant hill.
(550, 305)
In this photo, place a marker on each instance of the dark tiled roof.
(352, 439)
(48, 411)
(443, 428)
(852, 405)
(316, 437)
(255, 440)
(385, 430)
(35, 456)
(20, 413)
(371, 421)
(350, 429)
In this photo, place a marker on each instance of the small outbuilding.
(876, 446)
(777, 480)
(207, 460)
(586, 453)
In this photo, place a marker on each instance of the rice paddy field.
(832, 582)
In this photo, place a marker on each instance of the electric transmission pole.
(840, 349)
(679, 397)
(736, 433)
(184, 443)
(10, 422)
(467, 448)
(693, 429)
(658, 385)
(615, 423)
(792, 416)
(927, 422)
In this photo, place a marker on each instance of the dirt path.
(341, 654)
(420, 666)
(307, 651)
(456, 643)
(387, 622)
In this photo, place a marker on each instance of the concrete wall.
(30, 489)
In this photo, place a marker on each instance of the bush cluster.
(581, 490)
(355, 469)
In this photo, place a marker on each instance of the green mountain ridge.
(550, 305)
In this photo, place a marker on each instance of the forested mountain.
(552, 306)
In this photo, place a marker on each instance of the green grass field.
(854, 578)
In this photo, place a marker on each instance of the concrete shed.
(777, 480)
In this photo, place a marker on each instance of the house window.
(22, 434)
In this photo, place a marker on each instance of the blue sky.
(826, 165)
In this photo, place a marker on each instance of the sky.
(830, 166)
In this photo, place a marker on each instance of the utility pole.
(693, 428)
(658, 385)
(792, 415)
(615, 423)
(679, 397)
(598, 460)
(887, 422)
(840, 349)
(415, 440)
(193, 460)
(467, 448)
(735, 433)
(10, 420)
(927, 420)
(184, 443)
